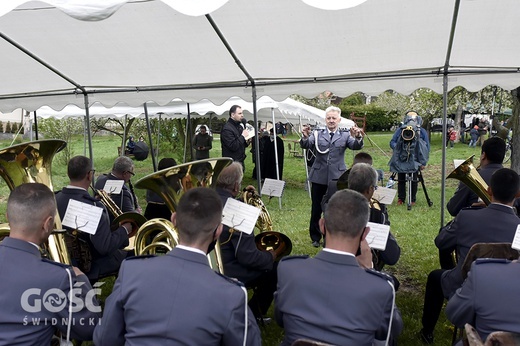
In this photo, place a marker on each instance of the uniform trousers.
(317, 193)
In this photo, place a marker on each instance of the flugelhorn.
(31, 163)
(468, 174)
(170, 184)
(267, 239)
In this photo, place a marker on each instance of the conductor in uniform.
(343, 303)
(330, 145)
(177, 298)
(26, 278)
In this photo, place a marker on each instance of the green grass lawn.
(414, 230)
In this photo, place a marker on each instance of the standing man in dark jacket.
(202, 143)
(233, 136)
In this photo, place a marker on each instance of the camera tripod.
(409, 179)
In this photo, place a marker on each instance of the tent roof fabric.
(150, 51)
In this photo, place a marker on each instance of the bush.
(377, 119)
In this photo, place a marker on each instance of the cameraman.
(410, 118)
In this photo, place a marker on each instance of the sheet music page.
(378, 235)
(273, 187)
(516, 240)
(82, 216)
(457, 163)
(113, 186)
(385, 195)
(240, 216)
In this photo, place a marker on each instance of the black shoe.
(426, 338)
(316, 243)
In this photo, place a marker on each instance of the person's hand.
(365, 259)
(479, 204)
(422, 168)
(306, 131)
(245, 133)
(77, 271)
(356, 132)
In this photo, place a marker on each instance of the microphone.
(243, 123)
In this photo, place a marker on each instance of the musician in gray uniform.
(330, 145)
(488, 299)
(177, 298)
(495, 224)
(123, 169)
(240, 256)
(363, 179)
(34, 290)
(105, 246)
(343, 303)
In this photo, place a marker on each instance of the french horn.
(468, 174)
(267, 239)
(170, 184)
(31, 163)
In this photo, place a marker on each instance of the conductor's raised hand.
(306, 131)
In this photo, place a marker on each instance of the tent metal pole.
(158, 135)
(276, 155)
(35, 125)
(187, 132)
(123, 145)
(149, 135)
(257, 142)
(87, 123)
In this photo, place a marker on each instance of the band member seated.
(177, 299)
(488, 300)
(99, 254)
(123, 169)
(26, 278)
(155, 207)
(342, 182)
(240, 256)
(495, 224)
(363, 179)
(331, 298)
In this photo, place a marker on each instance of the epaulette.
(139, 257)
(380, 274)
(472, 208)
(491, 260)
(286, 258)
(231, 280)
(63, 265)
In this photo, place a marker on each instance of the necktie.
(331, 135)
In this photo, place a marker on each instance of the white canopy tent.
(194, 49)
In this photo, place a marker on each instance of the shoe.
(400, 202)
(426, 338)
(316, 243)
(263, 321)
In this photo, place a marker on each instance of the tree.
(8, 127)
(515, 153)
(14, 128)
(62, 129)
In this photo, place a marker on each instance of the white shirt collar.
(338, 252)
(192, 249)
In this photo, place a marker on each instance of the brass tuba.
(268, 239)
(468, 174)
(31, 163)
(170, 184)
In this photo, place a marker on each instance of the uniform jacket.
(175, 299)
(488, 298)
(105, 245)
(495, 224)
(22, 268)
(124, 200)
(464, 197)
(330, 165)
(232, 141)
(330, 298)
(240, 256)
